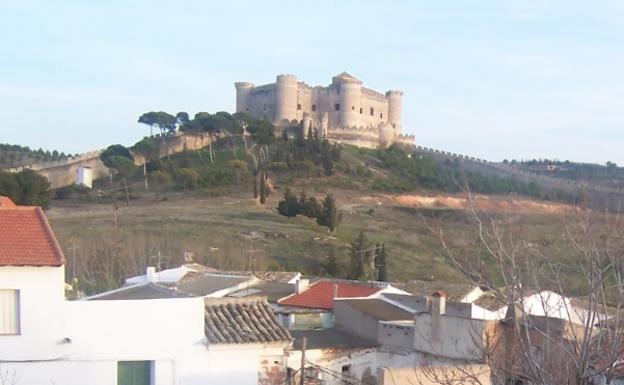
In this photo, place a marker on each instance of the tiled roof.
(26, 238)
(242, 321)
(378, 309)
(320, 295)
(140, 291)
(456, 291)
(274, 276)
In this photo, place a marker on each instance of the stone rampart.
(62, 173)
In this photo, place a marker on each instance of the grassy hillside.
(200, 206)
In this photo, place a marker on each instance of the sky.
(495, 79)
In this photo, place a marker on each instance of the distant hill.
(12, 155)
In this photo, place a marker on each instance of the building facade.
(344, 111)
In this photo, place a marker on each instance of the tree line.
(26, 187)
(325, 213)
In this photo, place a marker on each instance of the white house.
(45, 339)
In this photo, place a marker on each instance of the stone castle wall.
(63, 172)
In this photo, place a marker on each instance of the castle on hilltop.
(344, 111)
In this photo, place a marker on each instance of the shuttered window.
(9, 312)
(134, 373)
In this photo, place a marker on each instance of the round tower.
(350, 97)
(285, 98)
(243, 90)
(395, 101)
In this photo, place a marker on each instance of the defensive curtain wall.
(599, 197)
(63, 172)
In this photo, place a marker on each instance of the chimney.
(437, 304)
(301, 285)
(150, 274)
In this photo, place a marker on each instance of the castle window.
(393, 125)
(353, 108)
(314, 107)
(361, 110)
(372, 111)
(337, 107)
(298, 107)
(381, 115)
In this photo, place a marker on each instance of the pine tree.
(263, 190)
(326, 158)
(329, 214)
(381, 264)
(255, 187)
(359, 256)
(288, 206)
(331, 264)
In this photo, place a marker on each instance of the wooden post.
(302, 370)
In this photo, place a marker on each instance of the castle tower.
(243, 89)
(285, 98)
(350, 94)
(395, 101)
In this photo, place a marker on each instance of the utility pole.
(302, 370)
(73, 249)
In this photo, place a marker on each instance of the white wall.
(41, 297)
(451, 337)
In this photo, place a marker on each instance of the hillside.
(201, 205)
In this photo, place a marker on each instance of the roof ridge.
(51, 236)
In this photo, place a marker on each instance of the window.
(298, 107)
(337, 107)
(353, 108)
(361, 110)
(9, 312)
(381, 115)
(265, 107)
(346, 374)
(134, 373)
(372, 111)
(314, 107)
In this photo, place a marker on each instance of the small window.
(9, 312)
(353, 108)
(361, 110)
(265, 107)
(337, 107)
(134, 373)
(298, 107)
(314, 107)
(393, 125)
(372, 111)
(381, 115)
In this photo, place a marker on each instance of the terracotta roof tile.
(26, 238)
(242, 321)
(320, 295)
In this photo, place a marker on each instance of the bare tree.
(545, 338)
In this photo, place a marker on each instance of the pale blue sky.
(495, 79)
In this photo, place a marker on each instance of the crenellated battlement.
(373, 94)
(244, 85)
(344, 108)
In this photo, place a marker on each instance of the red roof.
(26, 238)
(320, 295)
(6, 203)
